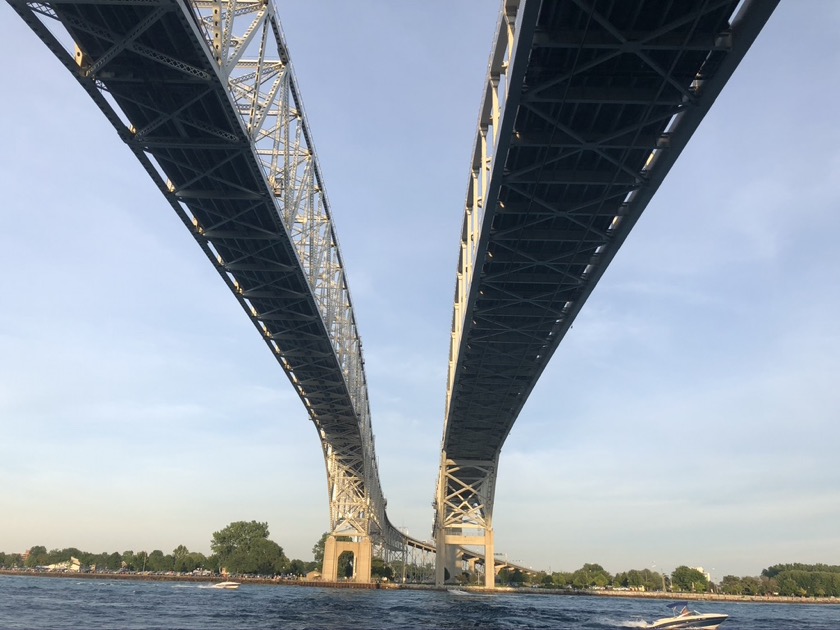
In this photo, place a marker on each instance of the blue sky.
(690, 416)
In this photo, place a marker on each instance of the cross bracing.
(204, 95)
(586, 107)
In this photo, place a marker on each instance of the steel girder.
(204, 95)
(587, 106)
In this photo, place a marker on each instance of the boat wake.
(461, 593)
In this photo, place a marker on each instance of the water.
(32, 602)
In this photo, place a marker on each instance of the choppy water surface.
(32, 602)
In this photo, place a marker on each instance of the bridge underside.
(203, 94)
(588, 105)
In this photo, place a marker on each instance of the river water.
(53, 603)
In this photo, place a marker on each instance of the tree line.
(240, 548)
(592, 575)
(791, 580)
(245, 548)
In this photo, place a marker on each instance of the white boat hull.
(708, 621)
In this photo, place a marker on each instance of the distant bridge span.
(587, 106)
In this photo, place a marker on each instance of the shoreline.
(200, 579)
(194, 579)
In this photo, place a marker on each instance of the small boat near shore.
(225, 585)
(684, 617)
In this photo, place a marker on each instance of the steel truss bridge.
(587, 106)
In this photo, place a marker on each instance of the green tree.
(180, 555)
(196, 560)
(127, 560)
(318, 549)
(643, 579)
(731, 585)
(750, 585)
(186, 561)
(212, 563)
(686, 579)
(265, 557)
(591, 575)
(237, 536)
(789, 585)
(773, 571)
(98, 561)
(114, 561)
(503, 576)
(14, 560)
(37, 556)
(140, 561)
(345, 565)
(379, 569)
(562, 579)
(158, 562)
(802, 580)
(399, 568)
(244, 547)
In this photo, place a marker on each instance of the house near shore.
(73, 565)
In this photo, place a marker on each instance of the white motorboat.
(225, 585)
(685, 617)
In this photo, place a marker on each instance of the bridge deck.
(224, 138)
(600, 100)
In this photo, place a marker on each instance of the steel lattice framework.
(587, 106)
(204, 95)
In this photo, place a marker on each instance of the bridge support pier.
(445, 562)
(489, 560)
(362, 550)
(465, 515)
(446, 558)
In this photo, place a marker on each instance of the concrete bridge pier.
(464, 517)
(447, 560)
(362, 549)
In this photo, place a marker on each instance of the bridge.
(586, 109)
